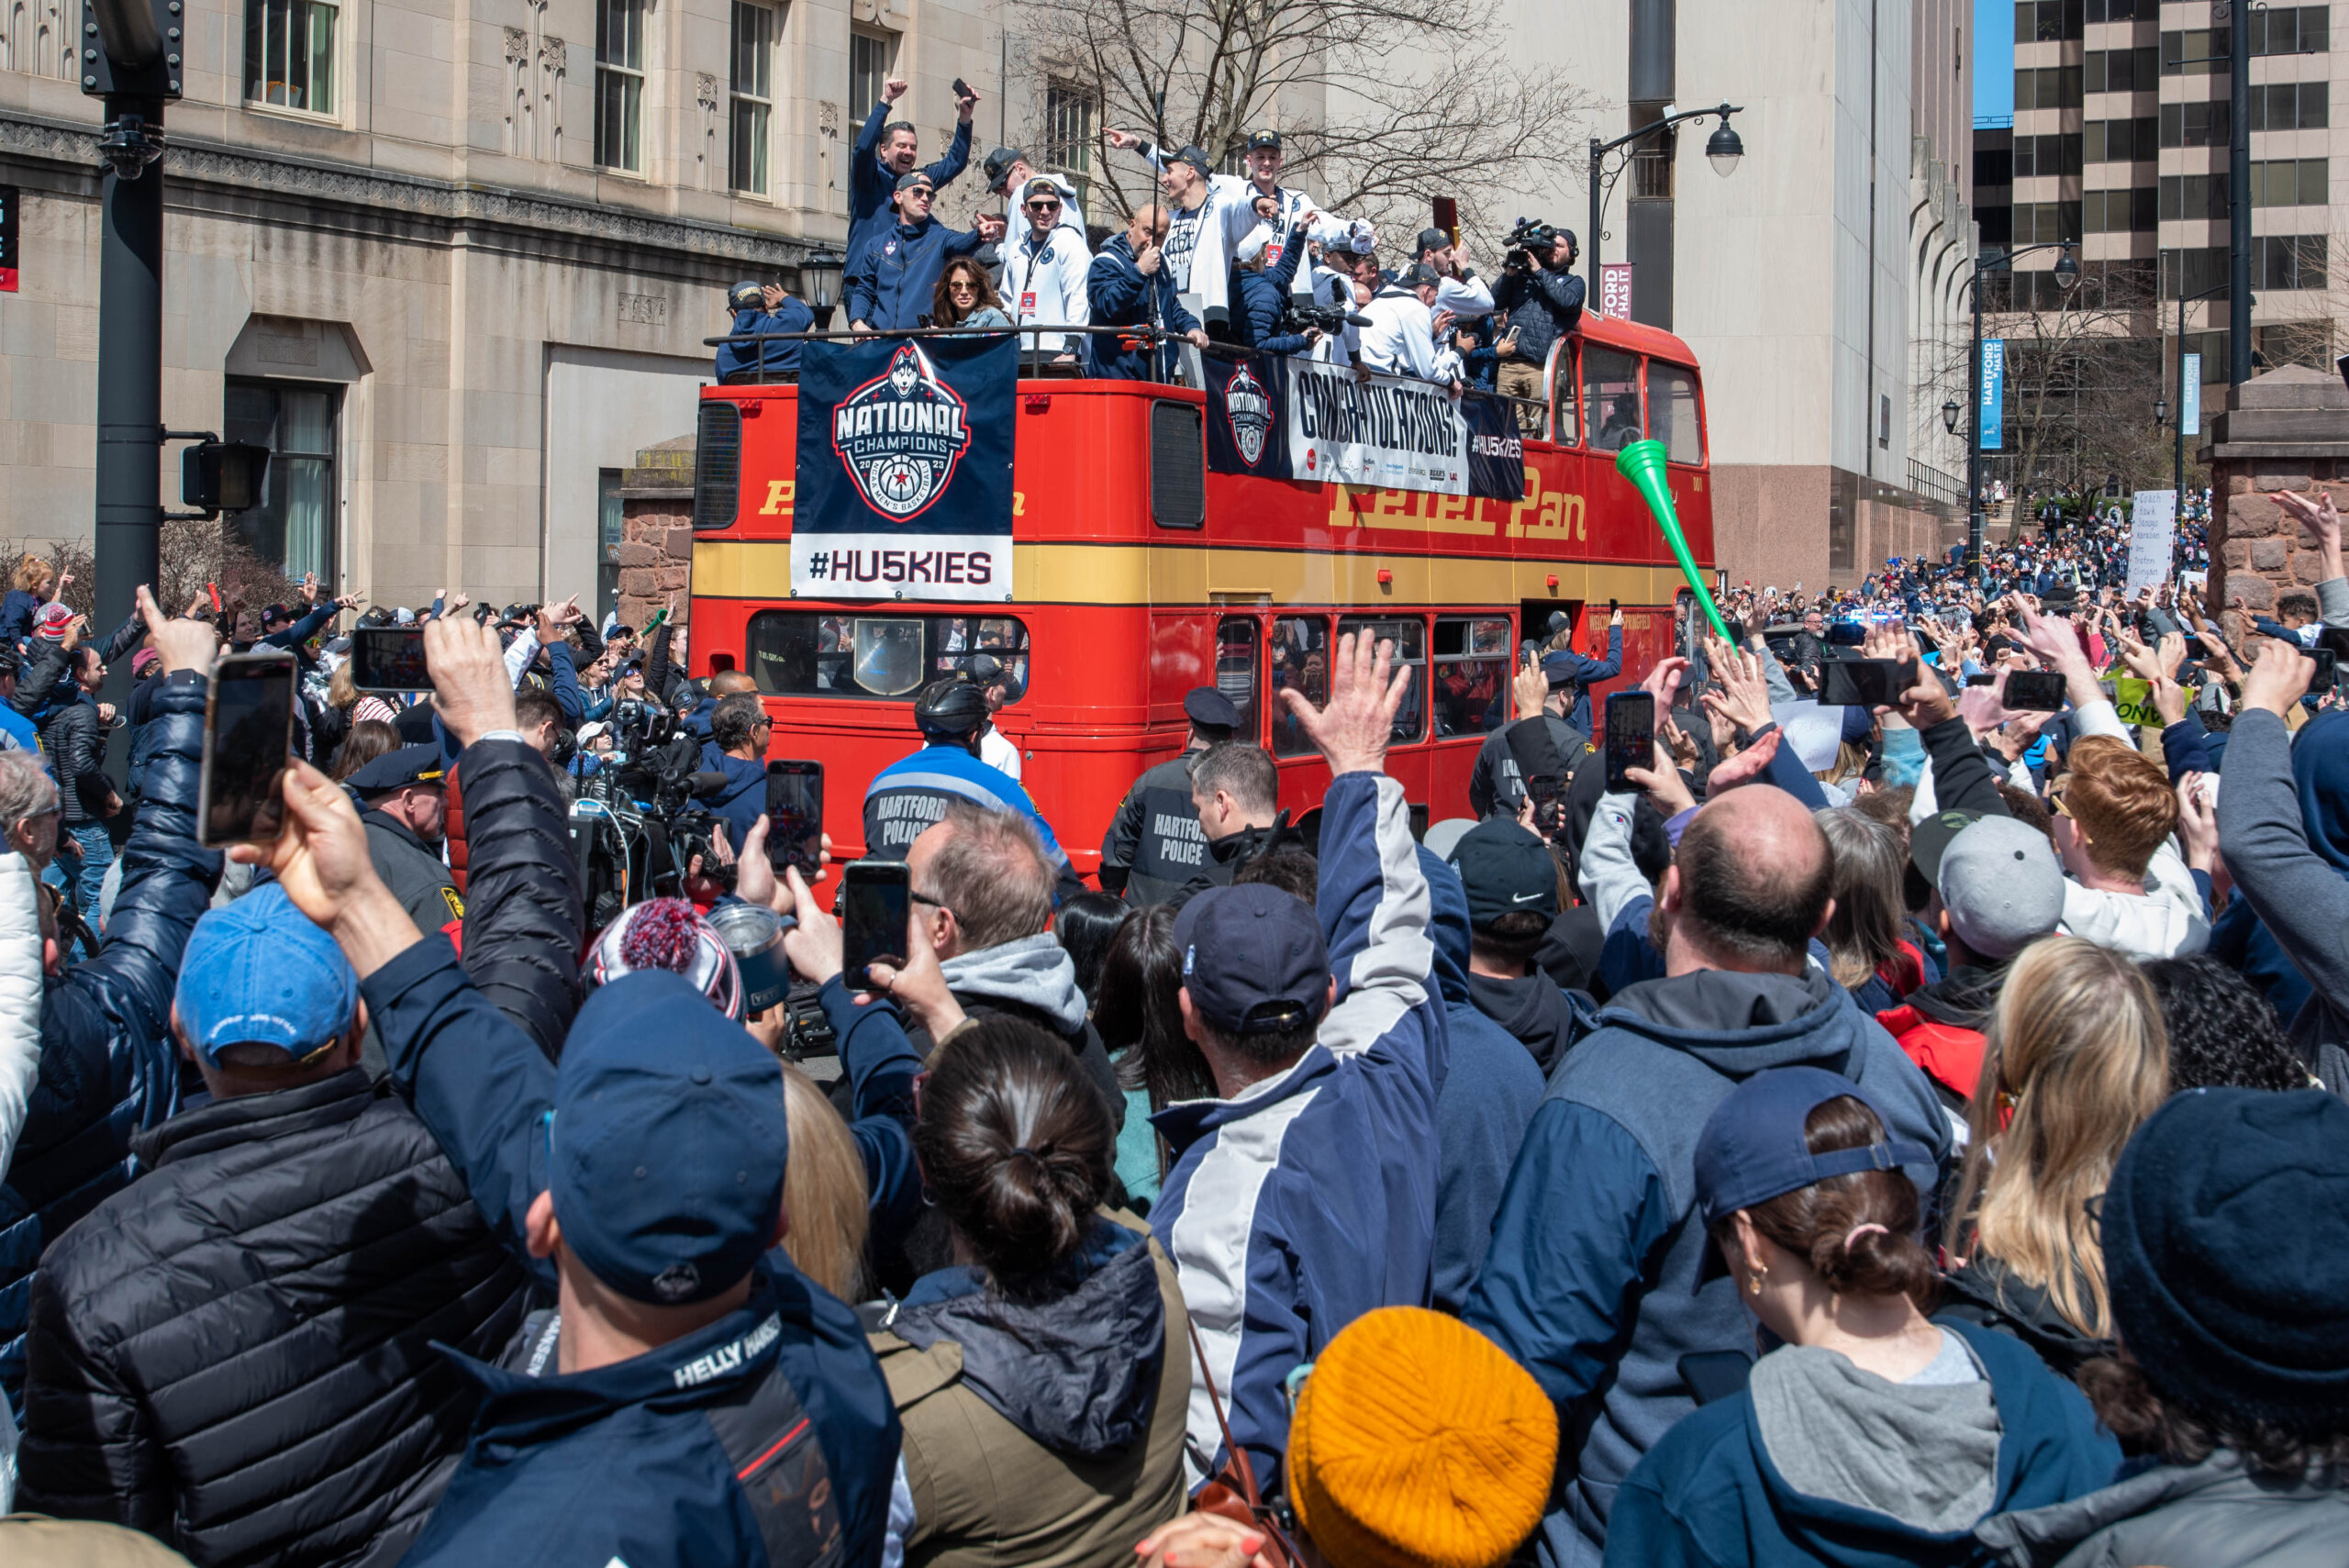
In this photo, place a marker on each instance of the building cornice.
(315, 194)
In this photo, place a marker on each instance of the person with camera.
(885, 152)
(762, 308)
(1129, 284)
(1541, 301)
(1262, 276)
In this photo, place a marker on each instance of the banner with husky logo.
(1295, 419)
(904, 470)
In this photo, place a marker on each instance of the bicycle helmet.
(667, 933)
(951, 708)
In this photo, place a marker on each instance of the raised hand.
(1530, 688)
(183, 644)
(1745, 766)
(1666, 791)
(321, 857)
(471, 689)
(2279, 677)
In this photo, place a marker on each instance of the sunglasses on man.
(1044, 206)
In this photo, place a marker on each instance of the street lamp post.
(1723, 149)
(2177, 465)
(820, 271)
(2067, 274)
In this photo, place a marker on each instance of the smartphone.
(2034, 691)
(1987, 677)
(796, 817)
(1630, 737)
(389, 659)
(1546, 791)
(876, 898)
(1613, 604)
(247, 736)
(1865, 683)
(2328, 664)
(960, 90)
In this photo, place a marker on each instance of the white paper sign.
(2152, 537)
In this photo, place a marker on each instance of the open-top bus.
(1141, 573)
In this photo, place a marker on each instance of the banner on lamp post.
(1991, 396)
(2190, 394)
(1615, 290)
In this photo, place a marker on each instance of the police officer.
(405, 810)
(914, 792)
(1496, 785)
(1154, 846)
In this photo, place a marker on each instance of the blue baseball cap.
(259, 972)
(1253, 959)
(1754, 1148)
(667, 1143)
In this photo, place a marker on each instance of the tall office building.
(2120, 141)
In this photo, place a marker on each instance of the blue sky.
(1994, 57)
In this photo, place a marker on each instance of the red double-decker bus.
(1141, 574)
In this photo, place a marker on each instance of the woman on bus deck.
(1044, 1381)
(965, 297)
(1875, 1432)
(2073, 1060)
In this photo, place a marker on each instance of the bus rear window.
(801, 653)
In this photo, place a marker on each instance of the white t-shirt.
(996, 752)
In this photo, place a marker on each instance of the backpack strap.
(770, 1444)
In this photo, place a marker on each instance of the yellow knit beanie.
(1417, 1443)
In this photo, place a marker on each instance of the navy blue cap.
(1754, 1148)
(667, 1143)
(1197, 160)
(1205, 705)
(1559, 668)
(396, 770)
(1506, 870)
(1252, 959)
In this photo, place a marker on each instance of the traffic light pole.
(130, 392)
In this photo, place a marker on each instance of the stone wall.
(655, 553)
(2286, 431)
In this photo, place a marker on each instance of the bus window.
(1566, 411)
(801, 653)
(1236, 672)
(1472, 674)
(1610, 390)
(1672, 404)
(1300, 657)
(1411, 640)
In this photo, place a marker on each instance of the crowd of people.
(1925, 1147)
(1238, 259)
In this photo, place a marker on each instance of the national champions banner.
(904, 470)
(1280, 418)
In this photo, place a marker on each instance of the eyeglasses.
(961, 285)
(926, 898)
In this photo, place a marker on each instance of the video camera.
(1329, 319)
(1530, 243)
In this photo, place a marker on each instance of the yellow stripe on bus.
(1072, 574)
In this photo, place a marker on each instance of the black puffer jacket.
(108, 1067)
(522, 926)
(236, 1355)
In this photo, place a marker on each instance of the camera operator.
(1458, 288)
(1344, 278)
(1541, 300)
(762, 308)
(1400, 338)
(1262, 276)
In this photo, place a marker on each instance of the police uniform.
(1497, 786)
(412, 869)
(1155, 848)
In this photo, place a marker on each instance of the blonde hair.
(2075, 1047)
(823, 1185)
(34, 574)
(341, 690)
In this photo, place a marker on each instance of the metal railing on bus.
(1532, 415)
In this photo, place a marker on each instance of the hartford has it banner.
(904, 472)
(1279, 418)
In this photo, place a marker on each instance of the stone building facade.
(453, 260)
(2286, 431)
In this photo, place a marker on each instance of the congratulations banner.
(1280, 418)
(904, 470)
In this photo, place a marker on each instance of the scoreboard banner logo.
(904, 468)
(1284, 418)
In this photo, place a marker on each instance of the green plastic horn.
(1642, 463)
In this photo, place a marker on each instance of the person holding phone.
(105, 1023)
(886, 151)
